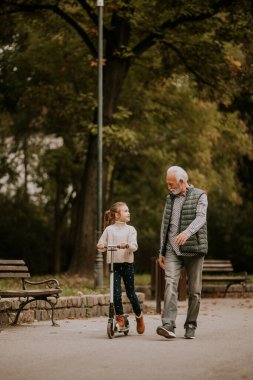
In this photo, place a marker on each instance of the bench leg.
(228, 286)
(226, 290)
(244, 288)
(52, 304)
(24, 303)
(21, 307)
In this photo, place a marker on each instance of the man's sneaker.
(166, 331)
(189, 332)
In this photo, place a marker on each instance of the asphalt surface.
(80, 349)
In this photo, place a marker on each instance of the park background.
(178, 79)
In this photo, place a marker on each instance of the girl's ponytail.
(109, 215)
(107, 218)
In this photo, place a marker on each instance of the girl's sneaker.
(140, 327)
(121, 322)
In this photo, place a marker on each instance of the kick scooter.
(112, 325)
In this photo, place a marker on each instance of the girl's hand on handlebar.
(101, 247)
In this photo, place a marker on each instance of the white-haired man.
(183, 244)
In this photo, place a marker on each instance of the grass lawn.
(75, 285)
(250, 278)
(72, 285)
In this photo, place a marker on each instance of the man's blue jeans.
(173, 266)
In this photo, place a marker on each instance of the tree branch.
(151, 39)
(89, 10)
(93, 16)
(55, 9)
(188, 67)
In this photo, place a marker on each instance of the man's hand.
(181, 238)
(161, 262)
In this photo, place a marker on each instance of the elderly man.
(183, 244)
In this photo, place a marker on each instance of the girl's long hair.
(109, 215)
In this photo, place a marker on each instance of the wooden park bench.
(17, 269)
(223, 271)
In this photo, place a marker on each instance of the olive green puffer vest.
(197, 243)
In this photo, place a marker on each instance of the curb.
(72, 307)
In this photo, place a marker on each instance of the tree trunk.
(85, 240)
(82, 261)
(57, 249)
(115, 72)
(57, 229)
(60, 212)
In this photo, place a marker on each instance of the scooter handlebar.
(112, 247)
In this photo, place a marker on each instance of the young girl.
(118, 232)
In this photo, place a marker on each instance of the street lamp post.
(99, 255)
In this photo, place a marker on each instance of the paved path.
(80, 349)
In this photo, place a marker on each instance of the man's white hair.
(179, 172)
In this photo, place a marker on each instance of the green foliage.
(185, 99)
(188, 132)
(46, 106)
(24, 234)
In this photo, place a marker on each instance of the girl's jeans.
(125, 271)
(173, 266)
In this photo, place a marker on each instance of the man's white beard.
(175, 191)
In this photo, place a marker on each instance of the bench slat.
(211, 261)
(218, 265)
(12, 268)
(224, 278)
(29, 293)
(15, 275)
(218, 269)
(12, 262)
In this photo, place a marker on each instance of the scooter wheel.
(110, 330)
(126, 324)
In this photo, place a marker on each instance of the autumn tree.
(192, 38)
